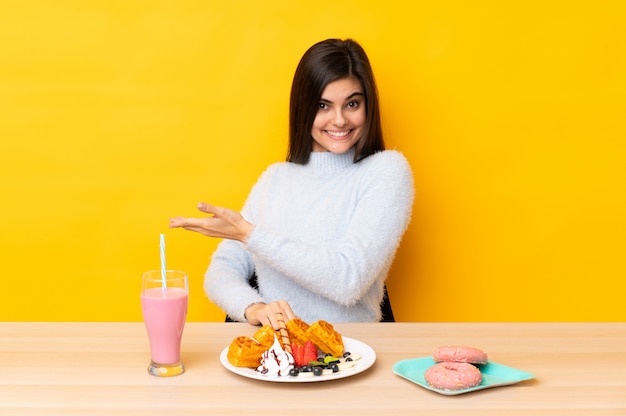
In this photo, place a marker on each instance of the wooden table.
(100, 369)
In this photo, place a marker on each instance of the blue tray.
(494, 375)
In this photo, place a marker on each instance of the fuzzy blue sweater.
(324, 239)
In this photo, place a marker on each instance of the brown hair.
(325, 62)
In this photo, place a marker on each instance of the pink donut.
(459, 354)
(453, 376)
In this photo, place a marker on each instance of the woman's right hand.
(223, 223)
(267, 313)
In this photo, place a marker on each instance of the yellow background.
(116, 115)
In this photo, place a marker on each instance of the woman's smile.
(338, 134)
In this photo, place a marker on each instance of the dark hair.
(325, 62)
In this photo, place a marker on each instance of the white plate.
(368, 357)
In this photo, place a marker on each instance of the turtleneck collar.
(328, 163)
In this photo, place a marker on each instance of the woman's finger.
(206, 208)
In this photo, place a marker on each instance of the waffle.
(245, 352)
(325, 338)
(297, 331)
(265, 336)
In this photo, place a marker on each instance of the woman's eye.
(323, 106)
(353, 104)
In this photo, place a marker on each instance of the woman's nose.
(340, 120)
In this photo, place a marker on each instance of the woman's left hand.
(269, 314)
(223, 223)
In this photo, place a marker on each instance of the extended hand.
(224, 223)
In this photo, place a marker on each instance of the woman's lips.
(338, 134)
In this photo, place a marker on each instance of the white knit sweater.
(324, 239)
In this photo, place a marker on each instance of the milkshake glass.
(164, 308)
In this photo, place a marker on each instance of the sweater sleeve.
(226, 280)
(344, 270)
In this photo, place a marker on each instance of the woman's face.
(340, 117)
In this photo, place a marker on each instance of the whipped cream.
(276, 361)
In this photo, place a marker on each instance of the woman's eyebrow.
(348, 98)
(354, 94)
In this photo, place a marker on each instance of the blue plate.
(494, 375)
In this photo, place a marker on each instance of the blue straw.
(163, 267)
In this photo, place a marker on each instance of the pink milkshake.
(164, 312)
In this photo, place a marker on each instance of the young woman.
(318, 232)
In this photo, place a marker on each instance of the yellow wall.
(116, 115)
